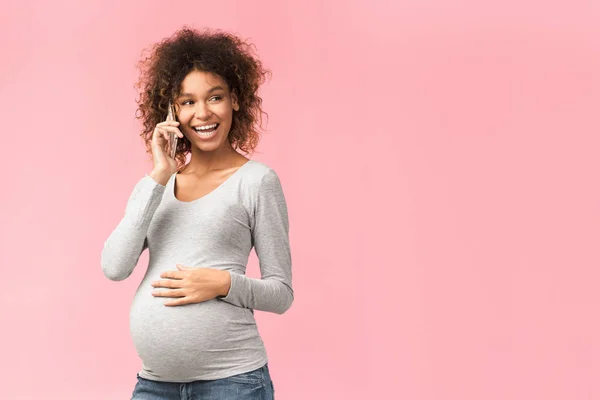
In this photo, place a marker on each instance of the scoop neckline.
(173, 179)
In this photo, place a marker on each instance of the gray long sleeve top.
(216, 338)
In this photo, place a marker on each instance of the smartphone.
(173, 138)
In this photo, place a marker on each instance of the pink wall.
(440, 161)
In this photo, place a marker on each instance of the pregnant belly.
(197, 338)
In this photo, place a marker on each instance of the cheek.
(225, 116)
(184, 120)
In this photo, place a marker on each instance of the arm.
(126, 243)
(273, 291)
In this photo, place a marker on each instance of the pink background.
(440, 161)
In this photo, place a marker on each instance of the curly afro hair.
(218, 52)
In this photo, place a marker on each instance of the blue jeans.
(253, 385)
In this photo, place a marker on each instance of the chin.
(209, 146)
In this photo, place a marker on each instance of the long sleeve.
(126, 243)
(273, 291)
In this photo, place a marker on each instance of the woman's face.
(205, 101)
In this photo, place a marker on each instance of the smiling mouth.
(205, 133)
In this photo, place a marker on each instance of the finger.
(158, 135)
(168, 123)
(173, 274)
(171, 129)
(164, 135)
(170, 284)
(179, 302)
(169, 293)
(182, 267)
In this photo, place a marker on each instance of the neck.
(206, 161)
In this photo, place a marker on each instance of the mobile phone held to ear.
(172, 136)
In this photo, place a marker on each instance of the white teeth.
(206, 127)
(207, 134)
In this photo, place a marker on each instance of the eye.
(187, 101)
(216, 97)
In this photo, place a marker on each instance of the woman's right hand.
(164, 165)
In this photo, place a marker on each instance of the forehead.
(201, 82)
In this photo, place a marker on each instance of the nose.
(202, 111)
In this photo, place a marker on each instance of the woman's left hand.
(192, 285)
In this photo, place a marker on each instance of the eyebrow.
(215, 88)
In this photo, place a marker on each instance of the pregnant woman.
(192, 317)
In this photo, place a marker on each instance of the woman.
(192, 319)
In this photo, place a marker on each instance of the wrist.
(161, 177)
(225, 284)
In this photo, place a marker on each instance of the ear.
(234, 101)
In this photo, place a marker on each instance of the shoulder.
(262, 185)
(261, 176)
